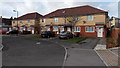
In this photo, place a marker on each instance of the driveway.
(22, 51)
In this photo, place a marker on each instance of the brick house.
(114, 22)
(6, 24)
(86, 21)
(29, 22)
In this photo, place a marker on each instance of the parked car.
(12, 32)
(2, 32)
(26, 32)
(47, 34)
(66, 35)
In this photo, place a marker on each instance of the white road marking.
(101, 58)
(38, 43)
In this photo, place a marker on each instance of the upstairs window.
(20, 21)
(28, 21)
(43, 20)
(13, 22)
(56, 19)
(90, 18)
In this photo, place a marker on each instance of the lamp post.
(17, 20)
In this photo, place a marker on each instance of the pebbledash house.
(86, 21)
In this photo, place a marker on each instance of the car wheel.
(48, 36)
(68, 37)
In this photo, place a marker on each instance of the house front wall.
(24, 22)
(97, 18)
(112, 23)
(82, 23)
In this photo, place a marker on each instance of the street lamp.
(16, 18)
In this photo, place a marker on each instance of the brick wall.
(115, 32)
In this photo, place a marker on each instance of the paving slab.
(83, 57)
(109, 58)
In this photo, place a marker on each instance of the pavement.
(83, 57)
(22, 51)
(109, 58)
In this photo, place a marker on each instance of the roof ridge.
(75, 7)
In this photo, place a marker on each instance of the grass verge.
(75, 40)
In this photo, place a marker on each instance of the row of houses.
(87, 21)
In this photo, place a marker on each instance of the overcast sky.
(45, 6)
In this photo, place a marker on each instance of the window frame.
(89, 29)
(90, 17)
(21, 22)
(13, 22)
(29, 22)
(43, 20)
(21, 28)
(55, 19)
(54, 27)
(76, 29)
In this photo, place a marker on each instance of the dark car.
(47, 34)
(66, 35)
(12, 32)
(26, 32)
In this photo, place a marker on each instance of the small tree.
(37, 26)
(71, 20)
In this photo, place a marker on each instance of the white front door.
(61, 29)
(100, 32)
(32, 30)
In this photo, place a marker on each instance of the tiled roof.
(7, 21)
(81, 10)
(34, 15)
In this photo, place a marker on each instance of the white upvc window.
(28, 21)
(29, 28)
(20, 21)
(21, 28)
(43, 20)
(90, 17)
(89, 29)
(13, 22)
(61, 28)
(55, 28)
(76, 29)
(56, 19)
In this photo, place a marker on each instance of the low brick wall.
(115, 33)
(116, 38)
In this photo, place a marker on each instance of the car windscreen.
(45, 32)
(64, 32)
